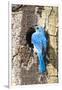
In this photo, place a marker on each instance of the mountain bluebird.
(39, 41)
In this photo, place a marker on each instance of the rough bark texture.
(23, 70)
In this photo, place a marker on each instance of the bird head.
(38, 28)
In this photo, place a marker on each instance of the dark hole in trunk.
(28, 36)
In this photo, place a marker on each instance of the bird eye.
(37, 27)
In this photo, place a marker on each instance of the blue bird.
(39, 41)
